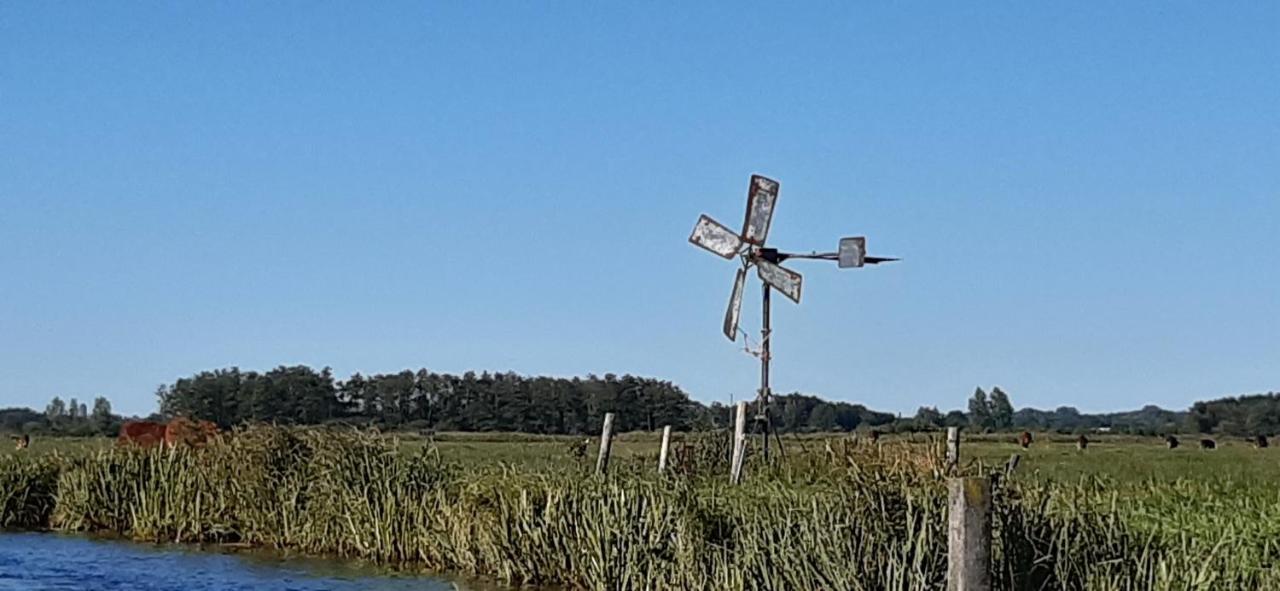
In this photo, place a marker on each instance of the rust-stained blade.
(762, 196)
(732, 314)
(780, 278)
(853, 252)
(715, 237)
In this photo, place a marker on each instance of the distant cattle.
(875, 436)
(183, 431)
(1171, 441)
(21, 441)
(578, 448)
(1260, 441)
(1024, 439)
(1208, 444)
(179, 431)
(1082, 442)
(141, 433)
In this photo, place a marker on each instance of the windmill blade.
(853, 252)
(732, 314)
(715, 237)
(780, 278)
(762, 196)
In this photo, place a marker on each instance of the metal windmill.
(749, 247)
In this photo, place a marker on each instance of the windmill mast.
(749, 247)
(762, 403)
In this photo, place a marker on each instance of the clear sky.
(1087, 196)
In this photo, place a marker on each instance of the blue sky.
(1087, 197)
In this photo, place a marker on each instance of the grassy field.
(1052, 457)
(837, 513)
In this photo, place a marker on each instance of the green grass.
(837, 513)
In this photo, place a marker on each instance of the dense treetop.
(506, 401)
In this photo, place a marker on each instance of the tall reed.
(844, 516)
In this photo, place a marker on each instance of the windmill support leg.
(762, 404)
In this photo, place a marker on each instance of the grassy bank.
(844, 516)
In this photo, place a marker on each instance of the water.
(57, 562)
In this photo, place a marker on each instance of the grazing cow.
(875, 436)
(184, 431)
(1024, 439)
(1260, 441)
(578, 449)
(1082, 442)
(141, 433)
(1208, 444)
(1171, 441)
(21, 442)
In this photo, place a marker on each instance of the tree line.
(425, 399)
(70, 417)
(1257, 414)
(506, 401)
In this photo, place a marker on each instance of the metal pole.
(762, 406)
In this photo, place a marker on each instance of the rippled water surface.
(55, 562)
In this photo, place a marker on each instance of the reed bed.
(841, 516)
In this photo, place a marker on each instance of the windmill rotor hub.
(770, 254)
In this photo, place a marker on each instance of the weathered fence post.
(1012, 464)
(606, 443)
(953, 447)
(666, 444)
(739, 443)
(969, 534)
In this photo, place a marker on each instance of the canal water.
(59, 562)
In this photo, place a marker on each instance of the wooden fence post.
(739, 443)
(969, 534)
(666, 444)
(606, 444)
(1012, 465)
(953, 447)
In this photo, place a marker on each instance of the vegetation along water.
(836, 513)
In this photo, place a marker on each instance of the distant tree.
(56, 410)
(101, 408)
(792, 415)
(1001, 410)
(823, 417)
(979, 410)
(955, 418)
(928, 417)
(102, 419)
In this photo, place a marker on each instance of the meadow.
(839, 512)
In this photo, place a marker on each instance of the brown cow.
(184, 431)
(1260, 441)
(1024, 439)
(141, 433)
(1082, 442)
(1208, 444)
(21, 442)
(1171, 441)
